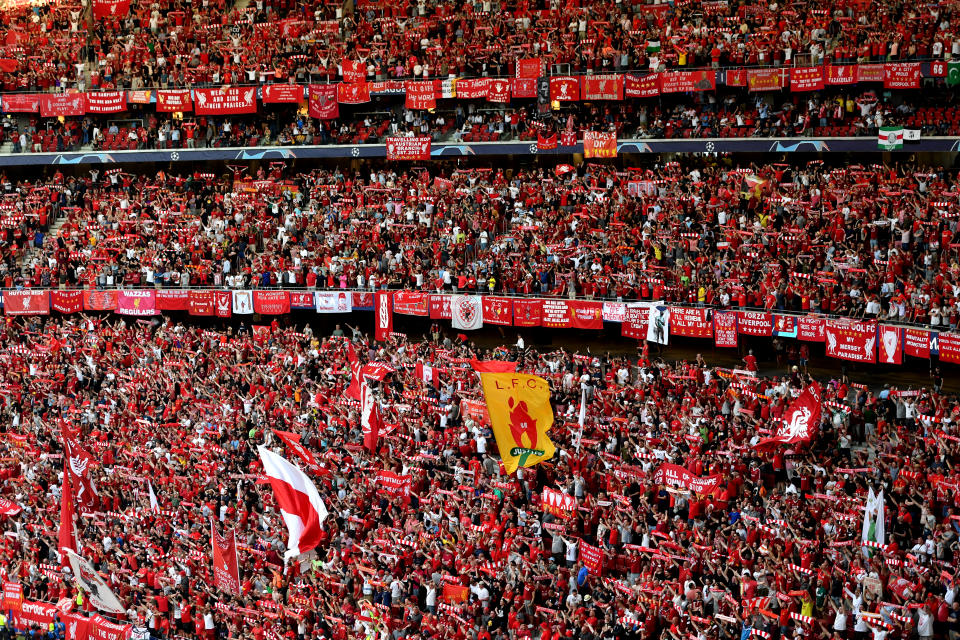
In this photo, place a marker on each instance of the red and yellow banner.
(520, 415)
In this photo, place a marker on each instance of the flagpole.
(583, 416)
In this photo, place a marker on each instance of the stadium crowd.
(774, 550)
(862, 241)
(215, 42)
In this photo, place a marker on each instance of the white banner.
(243, 302)
(334, 302)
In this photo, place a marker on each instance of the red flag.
(292, 440)
(370, 418)
(226, 569)
(78, 463)
(800, 420)
(67, 535)
(493, 366)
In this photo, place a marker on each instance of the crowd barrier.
(932, 144)
(859, 340)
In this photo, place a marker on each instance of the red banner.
(223, 303)
(323, 102)
(27, 302)
(140, 96)
(635, 322)
(403, 148)
(527, 313)
(393, 483)
(440, 308)
(949, 344)
(806, 79)
(78, 626)
(916, 343)
(736, 77)
(870, 73)
(764, 80)
(724, 328)
(66, 301)
(849, 340)
(353, 93)
(472, 88)
(62, 104)
(172, 101)
(755, 323)
(568, 138)
(676, 476)
(110, 8)
(21, 102)
(271, 302)
(602, 87)
(642, 86)
(599, 144)
(99, 300)
(282, 93)
(556, 314)
(889, 345)
(693, 323)
(498, 311)
(546, 143)
(592, 558)
(586, 314)
(173, 300)
(529, 68)
(12, 595)
(353, 71)
(564, 88)
(361, 301)
(33, 613)
(201, 303)
(901, 75)
(683, 81)
(226, 570)
(106, 102)
(523, 87)
(103, 629)
(497, 91)
(421, 95)
(383, 315)
(810, 329)
(841, 74)
(225, 101)
(411, 303)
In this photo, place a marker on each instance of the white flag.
(90, 581)
(154, 504)
(299, 502)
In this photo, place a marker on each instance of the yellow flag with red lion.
(520, 415)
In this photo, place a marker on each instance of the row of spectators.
(861, 241)
(722, 115)
(773, 550)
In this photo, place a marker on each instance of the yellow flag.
(520, 414)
